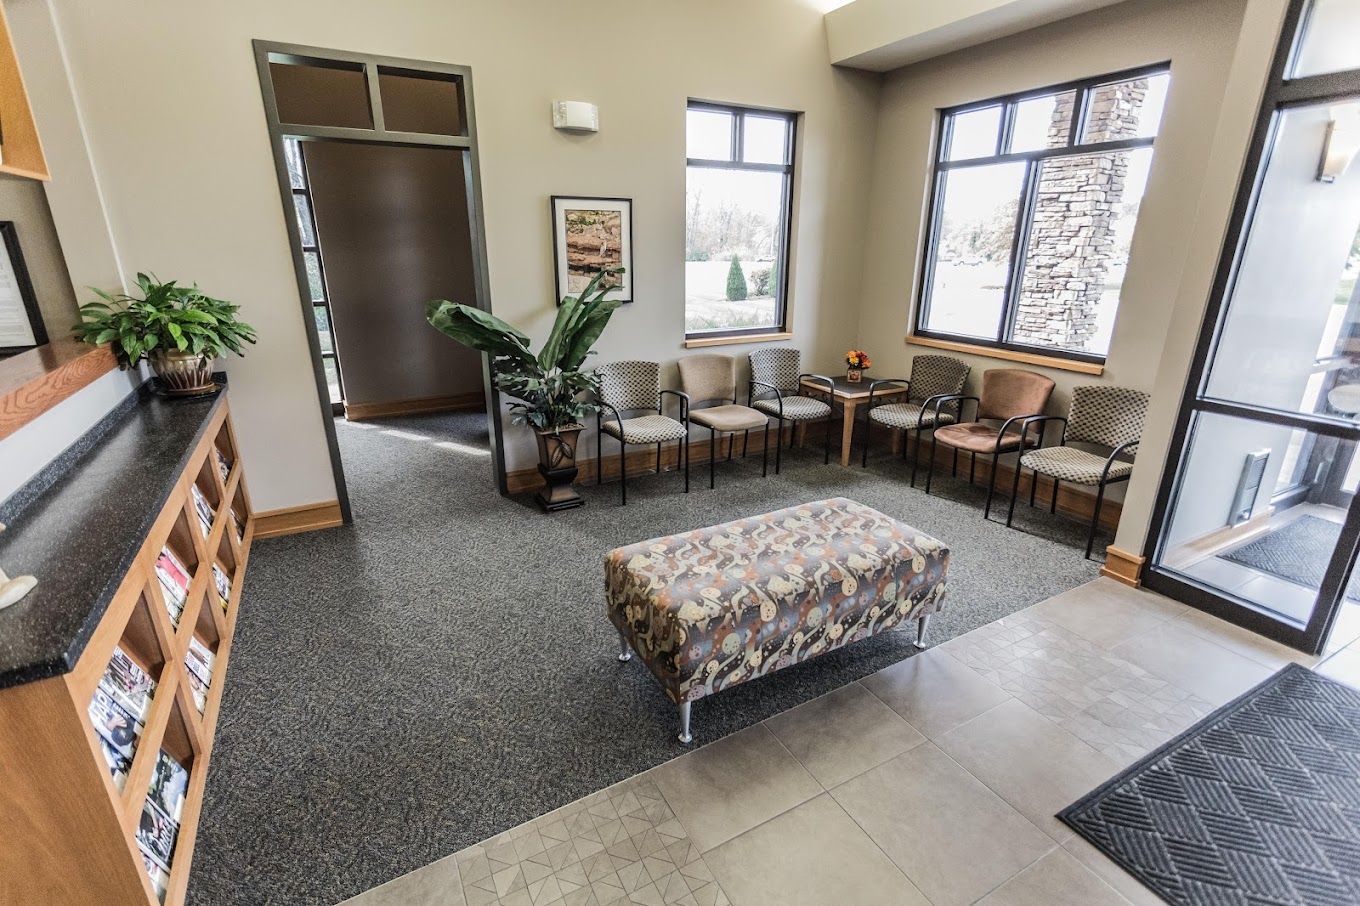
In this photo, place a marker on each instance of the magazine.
(119, 765)
(156, 833)
(174, 580)
(160, 878)
(168, 784)
(223, 467)
(223, 583)
(114, 724)
(200, 652)
(236, 524)
(203, 508)
(198, 687)
(128, 683)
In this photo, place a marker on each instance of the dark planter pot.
(557, 465)
(183, 373)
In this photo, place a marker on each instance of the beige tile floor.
(933, 781)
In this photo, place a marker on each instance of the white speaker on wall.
(576, 116)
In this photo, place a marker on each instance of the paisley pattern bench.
(709, 609)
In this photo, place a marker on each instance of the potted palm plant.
(548, 388)
(178, 329)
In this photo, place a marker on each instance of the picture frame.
(21, 322)
(590, 233)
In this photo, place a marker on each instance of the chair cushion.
(976, 437)
(907, 416)
(796, 408)
(645, 429)
(1071, 464)
(729, 418)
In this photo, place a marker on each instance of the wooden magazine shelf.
(82, 815)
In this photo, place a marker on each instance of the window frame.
(1033, 161)
(324, 303)
(739, 112)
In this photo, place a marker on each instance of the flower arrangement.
(858, 358)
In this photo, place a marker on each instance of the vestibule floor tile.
(933, 692)
(1057, 879)
(814, 854)
(952, 836)
(1177, 654)
(843, 733)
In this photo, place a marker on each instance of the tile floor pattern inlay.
(936, 778)
(623, 845)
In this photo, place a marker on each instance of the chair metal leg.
(658, 457)
(1095, 520)
(991, 486)
(930, 466)
(712, 457)
(868, 436)
(625, 651)
(953, 469)
(765, 453)
(623, 474)
(826, 441)
(685, 452)
(1053, 504)
(731, 444)
(1033, 486)
(779, 447)
(745, 441)
(685, 737)
(916, 456)
(920, 631)
(1015, 492)
(599, 454)
(972, 465)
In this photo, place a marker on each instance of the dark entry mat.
(1259, 803)
(1298, 551)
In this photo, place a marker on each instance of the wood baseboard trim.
(457, 403)
(642, 460)
(310, 517)
(1123, 567)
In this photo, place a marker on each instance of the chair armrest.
(1042, 421)
(751, 395)
(940, 399)
(681, 396)
(599, 415)
(818, 379)
(1128, 446)
(873, 388)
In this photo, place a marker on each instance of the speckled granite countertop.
(80, 536)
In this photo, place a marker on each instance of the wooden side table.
(851, 397)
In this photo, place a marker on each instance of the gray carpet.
(443, 669)
(1298, 551)
(1259, 803)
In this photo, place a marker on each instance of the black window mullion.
(738, 139)
(1007, 129)
(1078, 126)
(1015, 280)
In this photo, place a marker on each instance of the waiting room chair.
(933, 379)
(1009, 395)
(636, 387)
(713, 379)
(781, 394)
(1101, 415)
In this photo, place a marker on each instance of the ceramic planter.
(557, 465)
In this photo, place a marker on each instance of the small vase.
(854, 375)
(557, 465)
(183, 373)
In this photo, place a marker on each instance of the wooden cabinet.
(21, 150)
(71, 826)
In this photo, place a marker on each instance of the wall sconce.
(1341, 144)
(576, 116)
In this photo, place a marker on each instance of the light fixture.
(576, 116)
(1341, 144)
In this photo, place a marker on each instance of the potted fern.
(178, 329)
(548, 388)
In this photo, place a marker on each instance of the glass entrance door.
(1258, 523)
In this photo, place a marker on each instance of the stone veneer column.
(1077, 206)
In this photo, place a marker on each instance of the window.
(739, 193)
(311, 256)
(1035, 200)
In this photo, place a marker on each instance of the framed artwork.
(590, 234)
(21, 324)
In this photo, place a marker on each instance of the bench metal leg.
(684, 737)
(625, 651)
(921, 631)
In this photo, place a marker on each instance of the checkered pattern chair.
(710, 381)
(932, 399)
(635, 387)
(1101, 416)
(776, 389)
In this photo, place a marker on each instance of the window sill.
(1010, 355)
(698, 342)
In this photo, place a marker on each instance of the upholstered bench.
(712, 608)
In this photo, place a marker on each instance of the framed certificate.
(21, 324)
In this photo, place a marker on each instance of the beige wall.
(1198, 37)
(198, 200)
(23, 201)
